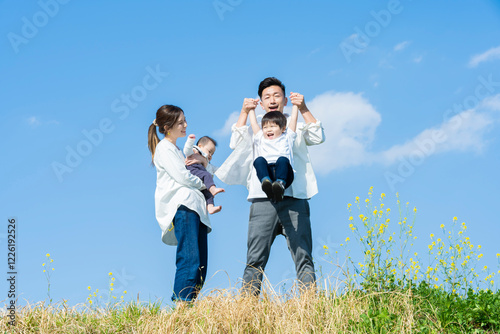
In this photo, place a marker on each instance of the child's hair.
(268, 82)
(204, 140)
(166, 117)
(275, 117)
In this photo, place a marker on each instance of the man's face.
(273, 99)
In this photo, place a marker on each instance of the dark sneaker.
(278, 190)
(267, 187)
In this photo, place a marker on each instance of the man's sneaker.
(267, 187)
(278, 190)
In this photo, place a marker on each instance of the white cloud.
(418, 59)
(33, 121)
(493, 53)
(401, 46)
(349, 121)
(226, 129)
(462, 132)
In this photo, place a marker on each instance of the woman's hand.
(196, 158)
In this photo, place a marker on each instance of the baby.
(205, 147)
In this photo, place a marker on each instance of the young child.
(273, 148)
(205, 147)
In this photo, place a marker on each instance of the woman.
(180, 207)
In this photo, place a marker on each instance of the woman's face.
(179, 128)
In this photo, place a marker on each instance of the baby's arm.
(188, 146)
(293, 119)
(253, 121)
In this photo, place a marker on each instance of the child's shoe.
(278, 189)
(267, 187)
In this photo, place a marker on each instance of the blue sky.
(408, 93)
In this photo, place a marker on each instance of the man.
(290, 217)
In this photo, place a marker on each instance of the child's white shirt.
(272, 149)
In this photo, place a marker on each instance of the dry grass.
(225, 311)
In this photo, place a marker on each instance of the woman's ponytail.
(153, 140)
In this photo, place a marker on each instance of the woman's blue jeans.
(192, 254)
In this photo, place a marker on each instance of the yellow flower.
(455, 218)
(44, 270)
(361, 216)
(432, 235)
(43, 264)
(111, 284)
(442, 226)
(347, 239)
(367, 200)
(478, 246)
(349, 205)
(110, 274)
(325, 247)
(88, 288)
(357, 199)
(350, 218)
(415, 209)
(51, 260)
(375, 212)
(48, 255)
(125, 292)
(351, 225)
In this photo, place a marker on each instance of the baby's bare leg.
(213, 209)
(214, 190)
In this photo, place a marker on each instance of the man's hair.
(204, 140)
(275, 117)
(268, 82)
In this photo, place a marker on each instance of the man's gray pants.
(289, 217)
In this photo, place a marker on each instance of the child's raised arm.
(293, 119)
(253, 121)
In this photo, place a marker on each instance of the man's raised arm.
(313, 131)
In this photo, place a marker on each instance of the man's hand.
(196, 158)
(298, 100)
(249, 104)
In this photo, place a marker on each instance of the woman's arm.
(174, 166)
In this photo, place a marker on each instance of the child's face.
(208, 149)
(272, 130)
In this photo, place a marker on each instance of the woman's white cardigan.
(175, 186)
